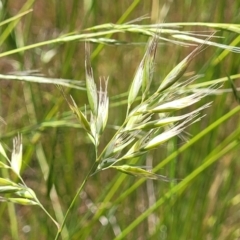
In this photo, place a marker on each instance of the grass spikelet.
(16, 160)
(4, 182)
(21, 201)
(80, 115)
(177, 104)
(166, 120)
(103, 105)
(76, 111)
(139, 172)
(27, 193)
(144, 73)
(149, 66)
(177, 72)
(9, 189)
(90, 84)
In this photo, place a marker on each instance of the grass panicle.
(162, 103)
(149, 124)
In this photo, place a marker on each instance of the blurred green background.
(57, 157)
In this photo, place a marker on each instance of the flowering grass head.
(151, 122)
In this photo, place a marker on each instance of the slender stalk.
(39, 204)
(49, 215)
(75, 198)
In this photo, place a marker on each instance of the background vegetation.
(57, 154)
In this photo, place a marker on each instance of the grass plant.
(151, 158)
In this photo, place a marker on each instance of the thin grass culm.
(149, 122)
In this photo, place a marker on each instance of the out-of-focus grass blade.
(14, 22)
(149, 30)
(63, 82)
(234, 89)
(210, 43)
(179, 188)
(2, 151)
(15, 17)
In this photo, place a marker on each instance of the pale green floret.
(103, 106)
(136, 84)
(81, 117)
(125, 143)
(93, 128)
(163, 137)
(160, 122)
(22, 201)
(9, 189)
(134, 120)
(174, 75)
(178, 103)
(4, 182)
(90, 84)
(179, 70)
(109, 150)
(27, 193)
(168, 134)
(149, 67)
(117, 144)
(123, 140)
(98, 123)
(144, 73)
(136, 149)
(120, 142)
(16, 160)
(139, 172)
